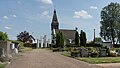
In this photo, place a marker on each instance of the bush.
(94, 51)
(55, 49)
(75, 52)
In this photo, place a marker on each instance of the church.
(68, 33)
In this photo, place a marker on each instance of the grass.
(96, 60)
(26, 49)
(66, 54)
(2, 65)
(100, 60)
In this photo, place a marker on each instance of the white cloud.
(82, 14)
(5, 17)
(6, 27)
(10, 16)
(45, 13)
(14, 16)
(93, 7)
(46, 1)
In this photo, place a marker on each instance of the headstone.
(41, 43)
(45, 41)
(118, 51)
(1, 52)
(16, 51)
(48, 43)
(103, 52)
(38, 45)
(12, 46)
(84, 52)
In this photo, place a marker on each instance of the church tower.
(55, 23)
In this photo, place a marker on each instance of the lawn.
(66, 54)
(96, 60)
(100, 60)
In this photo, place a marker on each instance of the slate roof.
(69, 34)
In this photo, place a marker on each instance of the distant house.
(68, 33)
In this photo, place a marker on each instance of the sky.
(34, 16)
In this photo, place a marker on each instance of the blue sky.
(34, 16)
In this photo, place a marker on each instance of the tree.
(110, 18)
(25, 37)
(98, 39)
(77, 41)
(83, 38)
(60, 40)
(3, 36)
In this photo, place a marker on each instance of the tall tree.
(77, 41)
(110, 17)
(83, 38)
(60, 41)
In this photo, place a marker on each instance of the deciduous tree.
(110, 18)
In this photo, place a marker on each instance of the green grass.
(26, 49)
(96, 60)
(100, 60)
(66, 54)
(2, 65)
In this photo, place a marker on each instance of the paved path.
(41, 58)
(110, 65)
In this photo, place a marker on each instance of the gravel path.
(110, 65)
(41, 58)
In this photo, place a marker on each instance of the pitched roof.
(69, 34)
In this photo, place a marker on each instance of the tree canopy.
(25, 37)
(110, 20)
(3, 36)
(98, 39)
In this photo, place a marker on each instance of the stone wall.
(5, 45)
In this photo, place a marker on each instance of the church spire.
(55, 16)
(55, 23)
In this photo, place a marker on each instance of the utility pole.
(94, 36)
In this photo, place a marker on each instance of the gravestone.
(118, 52)
(103, 52)
(12, 46)
(16, 51)
(1, 52)
(84, 52)
(41, 43)
(38, 43)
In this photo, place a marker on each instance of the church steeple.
(55, 23)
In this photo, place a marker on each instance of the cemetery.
(71, 43)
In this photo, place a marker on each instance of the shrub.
(75, 52)
(55, 49)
